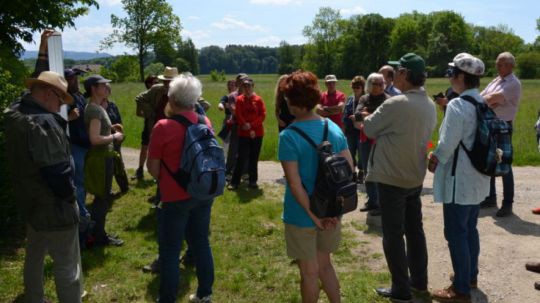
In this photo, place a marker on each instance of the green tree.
(286, 58)
(156, 68)
(126, 68)
(323, 35)
(187, 51)
(528, 65)
(489, 42)
(165, 52)
(147, 22)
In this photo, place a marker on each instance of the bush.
(154, 69)
(8, 209)
(528, 65)
(216, 76)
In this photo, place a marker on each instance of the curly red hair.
(301, 89)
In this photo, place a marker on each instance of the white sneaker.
(194, 299)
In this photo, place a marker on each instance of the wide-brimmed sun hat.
(169, 73)
(51, 79)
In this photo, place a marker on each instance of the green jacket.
(94, 169)
(147, 101)
(40, 165)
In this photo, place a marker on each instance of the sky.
(267, 22)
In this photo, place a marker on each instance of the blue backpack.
(491, 153)
(202, 167)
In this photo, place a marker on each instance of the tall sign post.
(56, 61)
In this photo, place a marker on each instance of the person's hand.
(351, 117)
(281, 123)
(74, 114)
(43, 45)
(118, 136)
(330, 223)
(365, 113)
(220, 106)
(252, 134)
(118, 128)
(433, 161)
(246, 126)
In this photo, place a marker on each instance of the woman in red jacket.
(250, 113)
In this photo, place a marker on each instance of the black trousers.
(101, 205)
(249, 150)
(401, 210)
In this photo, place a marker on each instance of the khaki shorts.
(303, 243)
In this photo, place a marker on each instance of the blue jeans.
(191, 218)
(371, 187)
(78, 154)
(464, 243)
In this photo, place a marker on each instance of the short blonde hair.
(185, 90)
(508, 58)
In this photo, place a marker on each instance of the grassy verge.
(247, 240)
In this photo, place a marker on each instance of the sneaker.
(449, 294)
(533, 266)
(504, 211)
(537, 285)
(194, 299)
(153, 267)
(489, 202)
(387, 293)
(109, 241)
(139, 174)
(473, 284)
(536, 211)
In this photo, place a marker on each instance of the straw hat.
(52, 79)
(169, 73)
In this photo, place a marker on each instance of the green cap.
(412, 62)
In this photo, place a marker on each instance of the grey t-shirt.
(94, 111)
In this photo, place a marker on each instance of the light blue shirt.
(293, 147)
(468, 186)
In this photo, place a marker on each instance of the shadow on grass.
(187, 274)
(246, 194)
(143, 183)
(147, 224)
(11, 240)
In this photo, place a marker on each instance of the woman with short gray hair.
(369, 102)
(180, 212)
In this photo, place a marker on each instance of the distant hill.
(69, 55)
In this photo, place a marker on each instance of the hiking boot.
(152, 267)
(449, 294)
(537, 285)
(504, 211)
(420, 293)
(489, 202)
(473, 284)
(253, 185)
(194, 299)
(139, 174)
(533, 266)
(387, 293)
(360, 177)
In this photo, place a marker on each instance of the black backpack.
(335, 191)
(491, 153)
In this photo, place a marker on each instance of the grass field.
(525, 148)
(247, 241)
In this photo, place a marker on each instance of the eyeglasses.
(60, 97)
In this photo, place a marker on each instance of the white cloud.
(274, 2)
(357, 10)
(109, 2)
(229, 22)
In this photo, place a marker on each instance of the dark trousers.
(232, 153)
(101, 205)
(120, 174)
(354, 148)
(508, 185)
(401, 214)
(463, 242)
(248, 152)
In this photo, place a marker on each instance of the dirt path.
(506, 243)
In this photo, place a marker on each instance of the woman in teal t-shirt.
(309, 240)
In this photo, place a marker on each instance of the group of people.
(383, 129)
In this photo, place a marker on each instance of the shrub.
(529, 65)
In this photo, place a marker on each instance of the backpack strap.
(475, 103)
(182, 120)
(307, 138)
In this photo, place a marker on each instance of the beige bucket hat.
(169, 73)
(52, 79)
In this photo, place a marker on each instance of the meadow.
(524, 139)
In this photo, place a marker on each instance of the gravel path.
(506, 243)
